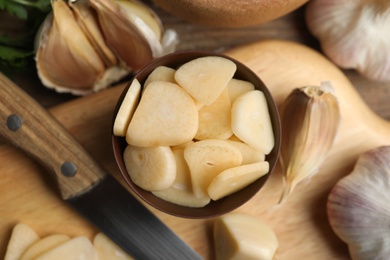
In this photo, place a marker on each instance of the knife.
(82, 182)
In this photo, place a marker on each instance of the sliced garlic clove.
(127, 108)
(310, 118)
(107, 249)
(215, 119)
(249, 154)
(206, 159)
(235, 179)
(180, 192)
(161, 73)
(151, 168)
(43, 245)
(358, 206)
(76, 248)
(251, 121)
(165, 116)
(22, 237)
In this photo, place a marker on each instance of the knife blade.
(82, 182)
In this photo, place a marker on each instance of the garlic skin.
(354, 34)
(358, 206)
(310, 118)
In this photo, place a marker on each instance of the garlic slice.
(358, 206)
(310, 117)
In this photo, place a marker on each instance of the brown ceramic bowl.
(224, 205)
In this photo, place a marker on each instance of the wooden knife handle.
(30, 127)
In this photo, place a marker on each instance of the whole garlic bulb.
(67, 59)
(358, 206)
(86, 45)
(354, 34)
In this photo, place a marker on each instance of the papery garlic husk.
(353, 34)
(358, 206)
(133, 31)
(71, 53)
(310, 118)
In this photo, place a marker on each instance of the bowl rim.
(223, 205)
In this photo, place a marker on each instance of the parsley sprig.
(18, 50)
(19, 7)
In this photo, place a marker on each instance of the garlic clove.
(310, 117)
(240, 236)
(122, 37)
(169, 41)
(353, 34)
(357, 206)
(87, 20)
(133, 7)
(58, 67)
(67, 60)
(134, 40)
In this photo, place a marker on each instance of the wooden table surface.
(194, 37)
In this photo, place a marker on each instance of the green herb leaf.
(14, 57)
(17, 49)
(14, 9)
(19, 8)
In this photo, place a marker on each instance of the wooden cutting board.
(27, 194)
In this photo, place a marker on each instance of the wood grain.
(300, 223)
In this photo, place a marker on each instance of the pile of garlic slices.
(195, 133)
(26, 244)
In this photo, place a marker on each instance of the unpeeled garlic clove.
(310, 117)
(133, 31)
(358, 206)
(353, 34)
(68, 58)
(87, 21)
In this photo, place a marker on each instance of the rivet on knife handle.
(24, 123)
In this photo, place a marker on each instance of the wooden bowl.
(229, 13)
(221, 206)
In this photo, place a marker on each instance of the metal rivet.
(14, 122)
(68, 169)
